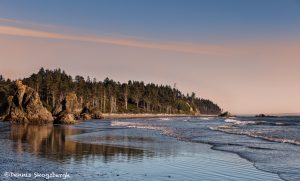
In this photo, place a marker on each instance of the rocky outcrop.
(96, 114)
(263, 116)
(65, 118)
(69, 111)
(87, 114)
(26, 107)
(226, 114)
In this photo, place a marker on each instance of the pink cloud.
(129, 42)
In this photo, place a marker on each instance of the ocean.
(185, 148)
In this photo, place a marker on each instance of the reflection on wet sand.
(51, 142)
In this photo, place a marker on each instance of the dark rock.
(26, 107)
(260, 115)
(226, 114)
(263, 115)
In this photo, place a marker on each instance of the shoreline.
(142, 115)
(147, 115)
(187, 163)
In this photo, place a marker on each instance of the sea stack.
(70, 110)
(26, 107)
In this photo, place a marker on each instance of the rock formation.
(90, 113)
(26, 107)
(226, 114)
(70, 110)
(96, 114)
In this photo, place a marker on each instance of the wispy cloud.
(26, 23)
(128, 42)
(24, 28)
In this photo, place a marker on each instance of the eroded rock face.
(26, 107)
(65, 118)
(70, 110)
(87, 114)
(70, 104)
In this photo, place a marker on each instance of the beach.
(123, 149)
(149, 115)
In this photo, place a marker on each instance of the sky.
(243, 55)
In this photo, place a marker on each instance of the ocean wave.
(161, 129)
(255, 134)
(238, 122)
(134, 125)
(206, 118)
(120, 123)
(164, 119)
(221, 128)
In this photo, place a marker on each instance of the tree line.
(109, 96)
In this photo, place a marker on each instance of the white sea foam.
(238, 122)
(206, 118)
(163, 130)
(255, 134)
(120, 123)
(133, 125)
(165, 119)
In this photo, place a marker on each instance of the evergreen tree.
(109, 95)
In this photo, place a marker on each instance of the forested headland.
(108, 96)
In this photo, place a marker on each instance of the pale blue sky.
(192, 20)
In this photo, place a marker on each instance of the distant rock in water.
(26, 107)
(260, 115)
(226, 114)
(70, 110)
(263, 115)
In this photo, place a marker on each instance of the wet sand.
(96, 150)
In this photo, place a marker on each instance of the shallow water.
(272, 144)
(134, 149)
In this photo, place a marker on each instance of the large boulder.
(87, 114)
(65, 118)
(26, 107)
(96, 114)
(70, 110)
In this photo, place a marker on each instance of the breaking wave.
(238, 122)
(255, 134)
(238, 135)
(139, 125)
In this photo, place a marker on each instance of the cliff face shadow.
(50, 141)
